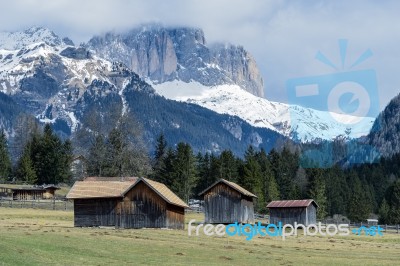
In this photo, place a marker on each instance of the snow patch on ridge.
(295, 121)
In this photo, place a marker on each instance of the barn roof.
(106, 178)
(164, 192)
(117, 189)
(99, 189)
(231, 185)
(291, 203)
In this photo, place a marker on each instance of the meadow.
(46, 237)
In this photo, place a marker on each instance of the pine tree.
(97, 157)
(358, 210)
(228, 166)
(45, 155)
(384, 211)
(252, 177)
(115, 154)
(65, 161)
(166, 175)
(25, 170)
(394, 202)
(159, 158)
(203, 171)
(184, 173)
(317, 191)
(5, 162)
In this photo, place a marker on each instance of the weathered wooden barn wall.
(312, 214)
(94, 212)
(142, 207)
(175, 217)
(292, 215)
(247, 209)
(27, 194)
(127, 204)
(222, 204)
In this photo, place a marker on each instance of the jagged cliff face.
(48, 77)
(164, 54)
(385, 133)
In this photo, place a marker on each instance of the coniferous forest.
(37, 155)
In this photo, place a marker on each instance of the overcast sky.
(283, 36)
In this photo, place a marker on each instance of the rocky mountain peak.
(19, 39)
(181, 53)
(385, 131)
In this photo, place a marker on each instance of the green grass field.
(43, 237)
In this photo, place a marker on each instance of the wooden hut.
(20, 192)
(227, 202)
(133, 203)
(291, 211)
(49, 191)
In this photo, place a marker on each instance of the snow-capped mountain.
(49, 77)
(224, 78)
(73, 88)
(19, 39)
(303, 124)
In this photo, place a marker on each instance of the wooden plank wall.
(292, 215)
(175, 217)
(94, 212)
(27, 194)
(247, 210)
(142, 207)
(312, 214)
(222, 205)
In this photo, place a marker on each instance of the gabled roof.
(118, 189)
(291, 203)
(231, 185)
(106, 178)
(164, 192)
(99, 189)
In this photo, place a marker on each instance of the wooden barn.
(227, 202)
(291, 211)
(133, 203)
(29, 192)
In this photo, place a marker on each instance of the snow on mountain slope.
(19, 39)
(300, 123)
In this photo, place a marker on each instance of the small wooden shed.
(135, 203)
(226, 202)
(291, 211)
(29, 192)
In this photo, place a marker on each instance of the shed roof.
(164, 192)
(107, 178)
(99, 189)
(117, 189)
(231, 185)
(291, 203)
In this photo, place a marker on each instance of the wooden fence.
(386, 228)
(38, 204)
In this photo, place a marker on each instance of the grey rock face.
(164, 54)
(76, 53)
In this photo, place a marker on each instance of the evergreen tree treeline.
(355, 192)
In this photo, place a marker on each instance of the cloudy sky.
(283, 36)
